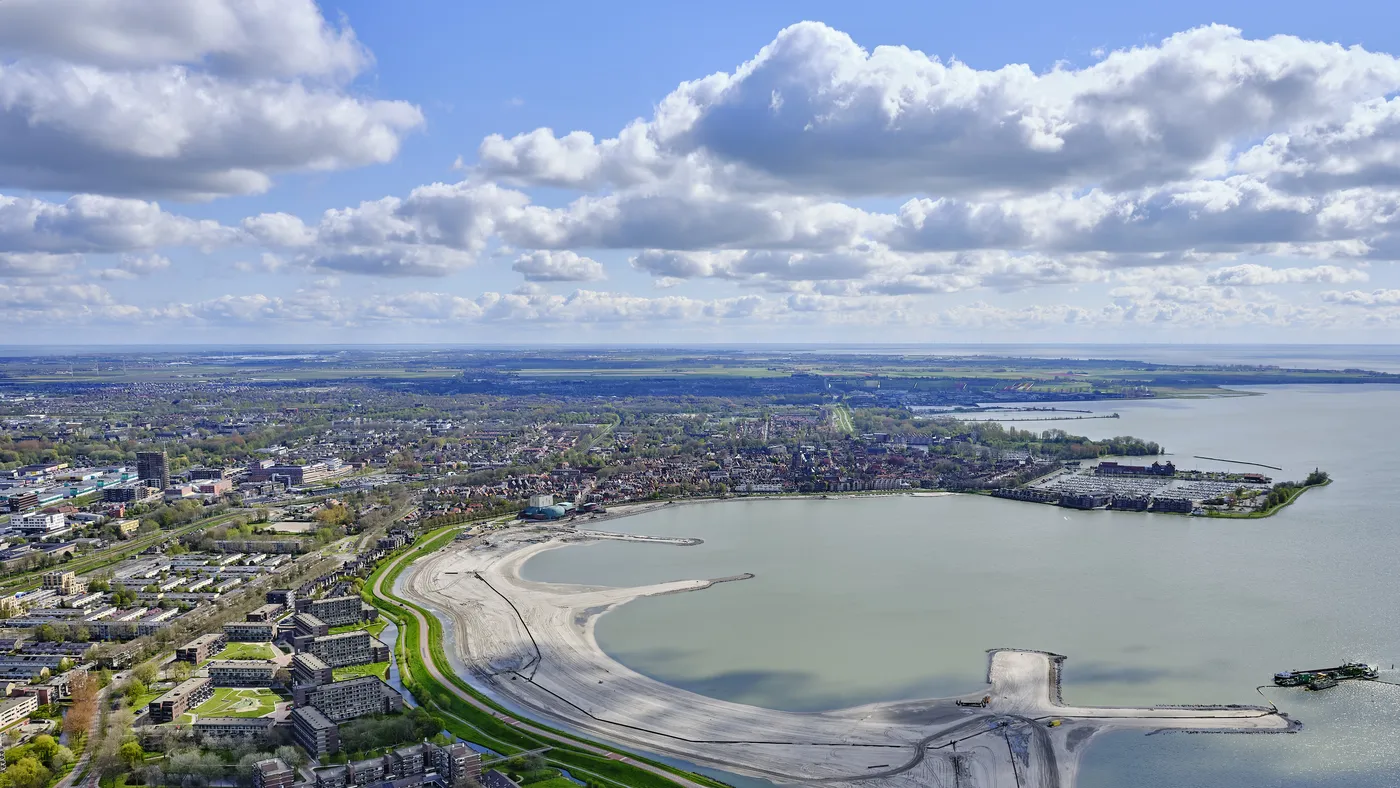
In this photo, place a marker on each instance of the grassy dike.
(469, 722)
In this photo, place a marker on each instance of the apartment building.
(268, 612)
(345, 700)
(273, 773)
(336, 611)
(201, 648)
(251, 631)
(240, 728)
(12, 710)
(185, 696)
(243, 672)
(315, 732)
(65, 583)
(309, 669)
(348, 648)
(448, 765)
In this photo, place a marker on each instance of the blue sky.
(210, 170)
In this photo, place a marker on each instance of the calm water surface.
(860, 600)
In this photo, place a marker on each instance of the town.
(184, 562)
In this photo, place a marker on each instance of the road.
(425, 653)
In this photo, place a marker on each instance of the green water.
(860, 600)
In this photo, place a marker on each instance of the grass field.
(236, 702)
(355, 671)
(247, 651)
(373, 627)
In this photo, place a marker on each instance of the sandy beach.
(533, 646)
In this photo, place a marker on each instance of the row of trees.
(373, 733)
(33, 765)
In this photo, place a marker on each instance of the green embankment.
(1289, 498)
(465, 720)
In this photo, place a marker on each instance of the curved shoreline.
(535, 645)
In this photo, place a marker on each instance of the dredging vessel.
(1322, 678)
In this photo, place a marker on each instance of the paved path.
(524, 725)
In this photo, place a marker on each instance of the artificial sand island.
(533, 645)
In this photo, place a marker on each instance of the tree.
(180, 671)
(146, 672)
(26, 773)
(43, 747)
(131, 754)
(292, 756)
(133, 690)
(83, 710)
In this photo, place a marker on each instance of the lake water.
(861, 600)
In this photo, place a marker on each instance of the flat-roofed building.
(12, 710)
(152, 468)
(357, 647)
(285, 597)
(65, 583)
(201, 648)
(40, 525)
(357, 697)
(265, 613)
(241, 728)
(315, 732)
(251, 631)
(273, 773)
(336, 611)
(185, 696)
(310, 625)
(310, 670)
(243, 672)
(448, 765)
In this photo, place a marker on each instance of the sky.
(196, 171)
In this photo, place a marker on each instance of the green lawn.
(247, 651)
(238, 702)
(373, 627)
(355, 671)
(554, 782)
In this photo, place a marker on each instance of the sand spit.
(533, 644)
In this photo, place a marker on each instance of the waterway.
(861, 600)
